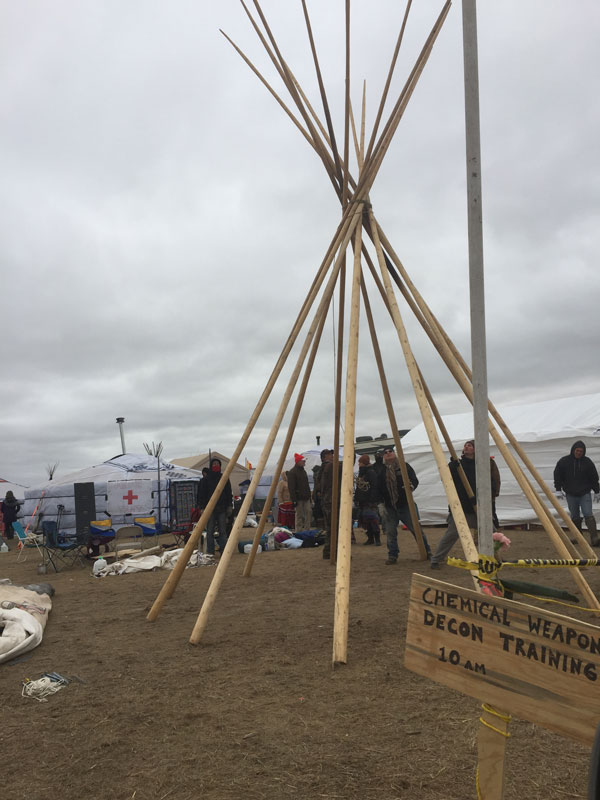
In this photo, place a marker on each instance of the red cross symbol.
(130, 497)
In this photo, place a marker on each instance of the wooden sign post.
(540, 666)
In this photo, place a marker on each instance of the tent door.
(85, 506)
(183, 499)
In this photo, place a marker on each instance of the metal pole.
(159, 509)
(476, 285)
(120, 421)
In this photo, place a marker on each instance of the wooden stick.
(433, 328)
(328, 120)
(219, 575)
(374, 162)
(335, 477)
(346, 109)
(289, 82)
(175, 575)
(550, 525)
(328, 164)
(286, 445)
(453, 501)
(342, 577)
(428, 395)
(394, 425)
(388, 81)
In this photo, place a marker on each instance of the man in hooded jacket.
(577, 476)
(467, 461)
(396, 508)
(218, 519)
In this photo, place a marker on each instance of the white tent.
(202, 460)
(545, 431)
(124, 487)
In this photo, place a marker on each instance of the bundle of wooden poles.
(357, 227)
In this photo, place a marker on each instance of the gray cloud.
(161, 220)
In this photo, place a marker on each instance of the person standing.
(218, 518)
(396, 508)
(10, 508)
(316, 495)
(366, 497)
(285, 509)
(577, 476)
(467, 461)
(300, 493)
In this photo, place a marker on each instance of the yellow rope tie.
(505, 718)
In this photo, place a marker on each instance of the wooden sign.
(539, 666)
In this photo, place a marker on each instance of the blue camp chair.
(26, 541)
(66, 553)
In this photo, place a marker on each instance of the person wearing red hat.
(300, 493)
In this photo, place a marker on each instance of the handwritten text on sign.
(539, 666)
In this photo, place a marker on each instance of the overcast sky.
(161, 219)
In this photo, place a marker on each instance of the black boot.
(370, 539)
(593, 531)
(377, 538)
(577, 522)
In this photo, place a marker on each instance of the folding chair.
(26, 541)
(129, 540)
(67, 552)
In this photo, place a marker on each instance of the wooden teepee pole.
(342, 578)
(455, 506)
(551, 526)
(175, 575)
(286, 445)
(339, 364)
(394, 425)
(428, 395)
(202, 621)
(450, 353)
(388, 81)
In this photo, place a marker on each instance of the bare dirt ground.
(256, 710)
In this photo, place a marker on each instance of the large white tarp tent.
(124, 487)
(545, 430)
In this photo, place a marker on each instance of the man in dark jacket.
(467, 461)
(300, 493)
(391, 487)
(577, 477)
(366, 497)
(218, 519)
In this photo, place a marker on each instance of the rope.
(41, 689)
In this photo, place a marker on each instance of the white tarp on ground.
(546, 432)
(124, 487)
(23, 617)
(165, 560)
